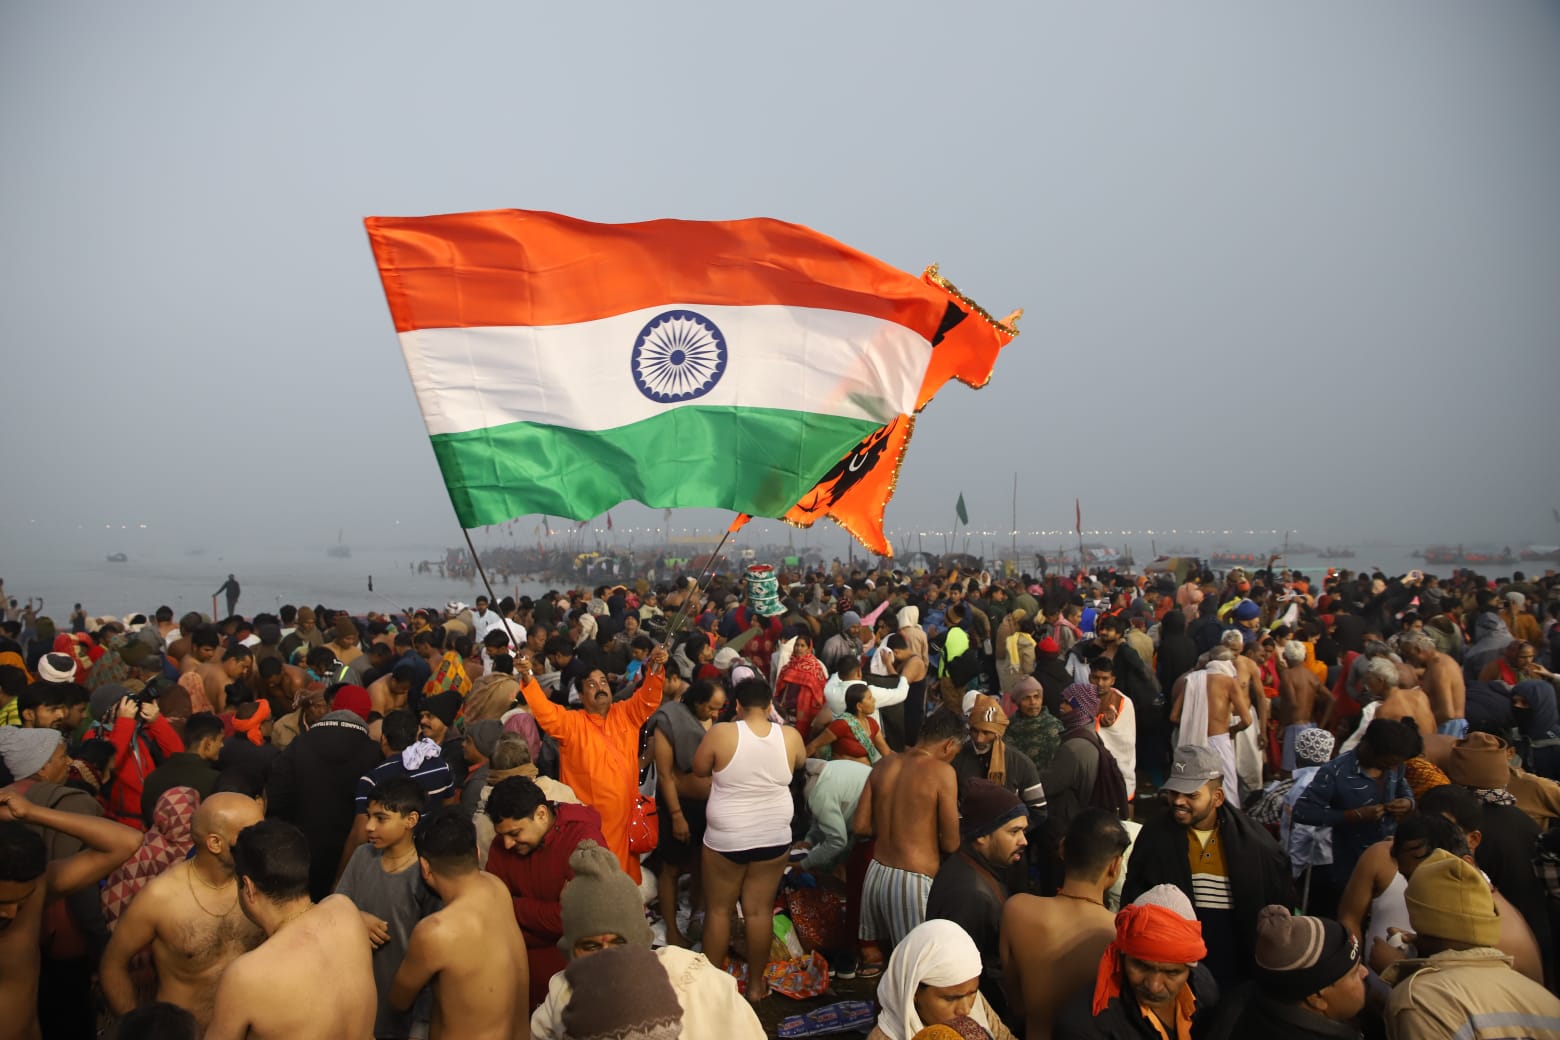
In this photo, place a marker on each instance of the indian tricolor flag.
(563, 367)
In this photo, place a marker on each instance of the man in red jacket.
(532, 842)
(142, 739)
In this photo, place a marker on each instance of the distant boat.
(1459, 555)
(1225, 558)
(340, 550)
(118, 558)
(1331, 553)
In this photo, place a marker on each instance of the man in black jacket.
(313, 784)
(1239, 868)
(969, 889)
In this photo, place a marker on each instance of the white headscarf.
(935, 953)
(909, 617)
(1224, 668)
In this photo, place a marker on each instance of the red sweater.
(536, 881)
(132, 765)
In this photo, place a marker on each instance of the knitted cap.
(443, 706)
(25, 751)
(1314, 747)
(354, 699)
(1170, 897)
(1246, 610)
(621, 993)
(600, 899)
(1448, 899)
(1298, 956)
(984, 806)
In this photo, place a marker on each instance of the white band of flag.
(581, 376)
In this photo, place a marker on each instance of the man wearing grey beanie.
(1309, 981)
(602, 911)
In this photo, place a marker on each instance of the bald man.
(189, 916)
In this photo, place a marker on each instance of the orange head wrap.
(250, 727)
(1148, 933)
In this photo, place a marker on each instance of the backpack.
(1110, 788)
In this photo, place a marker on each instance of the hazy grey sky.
(1284, 265)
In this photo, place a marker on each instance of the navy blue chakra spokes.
(678, 356)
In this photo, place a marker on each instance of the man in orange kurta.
(598, 748)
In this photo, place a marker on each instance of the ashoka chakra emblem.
(679, 355)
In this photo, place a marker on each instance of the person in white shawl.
(1192, 712)
(933, 977)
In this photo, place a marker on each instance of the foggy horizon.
(1283, 268)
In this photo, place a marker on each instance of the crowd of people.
(1091, 805)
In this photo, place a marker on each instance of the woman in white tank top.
(748, 833)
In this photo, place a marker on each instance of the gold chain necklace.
(189, 877)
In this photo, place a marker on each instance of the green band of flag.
(751, 460)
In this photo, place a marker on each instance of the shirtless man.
(389, 692)
(219, 673)
(1248, 680)
(471, 950)
(28, 881)
(1051, 946)
(1442, 680)
(189, 916)
(910, 804)
(1223, 696)
(204, 646)
(1303, 699)
(1381, 679)
(307, 946)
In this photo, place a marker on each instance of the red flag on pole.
(609, 520)
(1078, 515)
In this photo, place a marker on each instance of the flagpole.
(493, 600)
(1078, 514)
(1015, 524)
(682, 611)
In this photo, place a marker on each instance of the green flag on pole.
(960, 511)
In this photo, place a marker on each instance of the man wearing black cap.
(436, 722)
(968, 889)
(1228, 866)
(1309, 982)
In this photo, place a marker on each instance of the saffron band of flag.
(563, 366)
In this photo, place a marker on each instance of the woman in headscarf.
(450, 675)
(168, 841)
(933, 979)
(1015, 650)
(1533, 706)
(1490, 636)
(799, 688)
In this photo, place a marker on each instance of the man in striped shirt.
(1227, 865)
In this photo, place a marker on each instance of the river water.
(272, 577)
